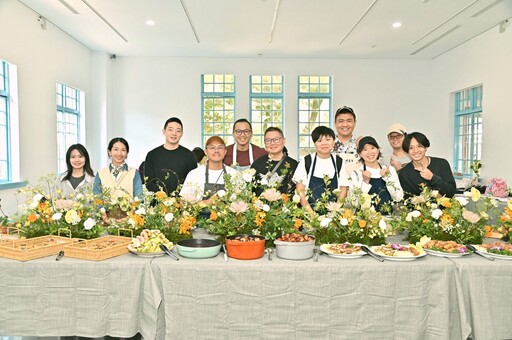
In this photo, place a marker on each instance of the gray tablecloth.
(76, 297)
(429, 298)
(331, 298)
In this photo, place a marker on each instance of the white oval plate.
(324, 248)
(398, 258)
(133, 251)
(443, 254)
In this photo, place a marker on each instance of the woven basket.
(9, 233)
(98, 249)
(33, 248)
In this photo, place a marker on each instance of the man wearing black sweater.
(167, 166)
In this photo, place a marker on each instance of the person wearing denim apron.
(373, 178)
(311, 183)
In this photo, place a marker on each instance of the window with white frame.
(468, 129)
(9, 127)
(5, 149)
(68, 121)
(218, 106)
(315, 95)
(267, 98)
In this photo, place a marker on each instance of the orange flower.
(213, 215)
(446, 204)
(487, 231)
(446, 219)
(285, 197)
(98, 201)
(260, 218)
(362, 224)
(187, 224)
(161, 195)
(298, 223)
(32, 218)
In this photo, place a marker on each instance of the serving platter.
(445, 254)
(499, 256)
(377, 250)
(326, 249)
(133, 251)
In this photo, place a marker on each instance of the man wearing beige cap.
(396, 134)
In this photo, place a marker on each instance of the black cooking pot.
(198, 248)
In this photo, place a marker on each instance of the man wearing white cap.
(396, 134)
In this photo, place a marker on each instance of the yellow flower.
(475, 194)
(362, 224)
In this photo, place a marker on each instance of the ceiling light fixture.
(150, 22)
(504, 25)
(397, 24)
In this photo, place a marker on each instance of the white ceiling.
(274, 28)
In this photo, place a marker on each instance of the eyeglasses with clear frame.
(218, 147)
(245, 132)
(276, 140)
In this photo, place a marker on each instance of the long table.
(429, 298)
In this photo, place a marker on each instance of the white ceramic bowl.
(294, 250)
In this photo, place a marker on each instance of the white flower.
(72, 217)
(296, 198)
(57, 216)
(383, 225)
(286, 210)
(325, 222)
(333, 206)
(79, 196)
(221, 193)
(433, 206)
(434, 193)
(264, 180)
(37, 197)
(344, 221)
(89, 223)
(415, 213)
(462, 200)
(266, 207)
(436, 213)
(169, 217)
(238, 207)
(247, 177)
(34, 204)
(232, 197)
(141, 211)
(103, 210)
(271, 195)
(132, 222)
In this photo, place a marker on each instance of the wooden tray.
(33, 248)
(98, 249)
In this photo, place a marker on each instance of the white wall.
(43, 57)
(149, 90)
(486, 60)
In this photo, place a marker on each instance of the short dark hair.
(173, 120)
(118, 139)
(420, 138)
(242, 120)
(274, 128)
(345, 109)
(198, 153)
(320, 131)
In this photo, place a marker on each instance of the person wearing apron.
(276, 169)
(346, 145)
(242, 153)
(206, 180)
(373, 178)
(310, 182)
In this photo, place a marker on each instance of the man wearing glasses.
(242, 153)
(276, 169)
(396, 134)
(346, 145)
(206, 180)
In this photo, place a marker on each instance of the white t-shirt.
(323, 167)
(392, 183)
(193, 187)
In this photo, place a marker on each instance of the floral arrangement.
(356, 223)
(476, 166)
(497, 187)
(505, 227)
(237, 210)
(45, 212)
(461, 219)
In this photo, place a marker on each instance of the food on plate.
(498, 248)
(343, 249)
(398, 250)
(446, 247)
(294, 237)
(149, 241)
